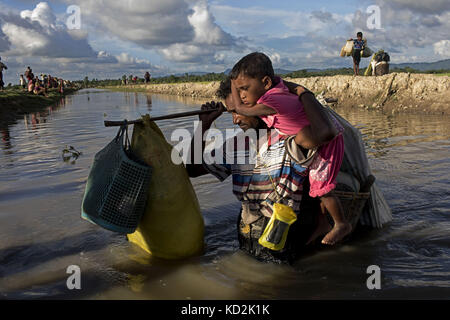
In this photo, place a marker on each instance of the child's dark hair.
(224, 88)
(255, 65)
(359, 34)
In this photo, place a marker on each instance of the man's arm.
(206, 120)
(321, 129)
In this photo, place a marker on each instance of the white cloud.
(125, 59)
(37, 33)
(43, 14)
(442, 48)
(147, 23)
(408, 25)
(208, 42)
(420, 6)
(37, 38)
(197, 35)
(205, 28)
(275, 58)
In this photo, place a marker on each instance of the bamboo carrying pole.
(169, 116)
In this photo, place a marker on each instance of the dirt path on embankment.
(395, 92)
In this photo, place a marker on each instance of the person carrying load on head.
(147, 77)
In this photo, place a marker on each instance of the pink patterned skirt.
(325, 167)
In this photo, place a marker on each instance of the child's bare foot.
(336, 234)
(323, 227)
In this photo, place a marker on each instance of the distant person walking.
(2, 66)
(358, 46)
(147, 77)
(61, 86)
(22, 81)
(29, 74)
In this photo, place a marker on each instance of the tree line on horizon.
(304, 73)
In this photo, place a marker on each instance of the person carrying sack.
(358, 46)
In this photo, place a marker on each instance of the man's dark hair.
(255, 65)
(359, 34)
(224, 88)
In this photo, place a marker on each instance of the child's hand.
(300, 89)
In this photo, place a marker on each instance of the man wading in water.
(252, 184)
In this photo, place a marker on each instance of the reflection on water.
(6, 138)
(383, 132)
(42, 232)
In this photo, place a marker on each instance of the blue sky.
(178, 36)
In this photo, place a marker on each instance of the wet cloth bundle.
(347, 49)
(172, 226)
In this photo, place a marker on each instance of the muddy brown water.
(42, 232)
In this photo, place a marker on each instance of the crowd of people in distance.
(32, 84)
(134, 79)
(37, 86)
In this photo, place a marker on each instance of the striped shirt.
(252, 173)
(358, 44)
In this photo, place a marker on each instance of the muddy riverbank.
(14, 103)
(392, 93)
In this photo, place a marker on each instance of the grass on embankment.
(443, 74)
(14, 102)
(125, 88)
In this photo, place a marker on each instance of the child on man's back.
(257, 92)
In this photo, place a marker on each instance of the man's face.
(243, 122)
(250, 89)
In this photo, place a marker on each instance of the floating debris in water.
(69, 153)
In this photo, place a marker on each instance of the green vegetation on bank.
(96, 83)
(444, 74)
(15, 101)
(86, 83)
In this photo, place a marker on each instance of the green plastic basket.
(117, 187)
